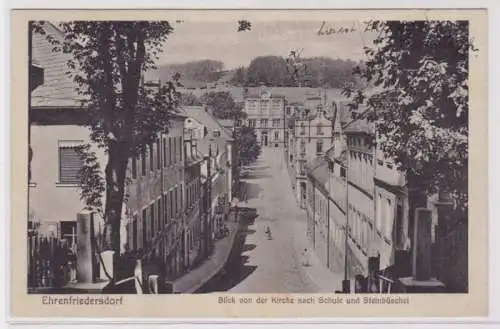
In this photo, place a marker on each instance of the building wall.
(149, 197)
(50, 201)
(267, 115)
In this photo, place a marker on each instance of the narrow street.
(259, 264)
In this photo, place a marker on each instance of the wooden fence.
(48, 262)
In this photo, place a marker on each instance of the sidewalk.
(325, 279)
(194, 279)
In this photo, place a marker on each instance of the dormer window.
(216, 133)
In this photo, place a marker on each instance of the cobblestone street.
(260, 264)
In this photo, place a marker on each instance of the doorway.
(264, 138)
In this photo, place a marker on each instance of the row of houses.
(178, 192)
(361, 217)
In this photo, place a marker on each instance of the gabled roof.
(204, 117)
(318, 170)
(58, 89)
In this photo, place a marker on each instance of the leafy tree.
(108, 61)
(248, 147)
(223, 105)
(239, 77)
(269, 71)
(420, 104)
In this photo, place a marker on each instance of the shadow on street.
(236, 269)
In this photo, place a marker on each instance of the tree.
(239, 78)
(248, 147)
(108, 61)
(269, 71)
(223, 105)
(420, 107)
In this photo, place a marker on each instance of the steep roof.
(318, 170)
(204, 117)
(58, 89)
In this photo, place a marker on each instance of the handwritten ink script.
(328, 30)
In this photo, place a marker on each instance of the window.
(68, 231)
(135, 237)
(389, 219)
(164, 152)
(176, 203)
(251, 123)
(143, 164)
(145, 227)
(159, 214)
(181, 197)
(165, 210)
(70, 164)
(151, 158)
(216, 133)
(319, 131)
(302, 146)
(319, 146)
(276, 136)
(342, 172)
(378, 218)
(152, 221)
(134, 167)
(276, 123)
(171, 193)
(175, 151)
(158, 153)
(399, 229)
(180, 148)
(302, 129)
(170, 150)
(263, 123)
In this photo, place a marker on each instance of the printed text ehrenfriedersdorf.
(77, 300)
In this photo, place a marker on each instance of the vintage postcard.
(249, 163)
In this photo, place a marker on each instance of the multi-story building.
(378, 204)
(214, 143)
(326, 199)
(266, 113)
(155, 205)
(152, 215)
(194, 207)
(312, 136)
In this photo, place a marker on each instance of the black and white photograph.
(248, 156)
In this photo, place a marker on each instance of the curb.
(219, 268)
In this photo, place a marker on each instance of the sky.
(195, 40)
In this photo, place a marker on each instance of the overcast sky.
(221, 41)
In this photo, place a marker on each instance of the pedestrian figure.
(305, 258)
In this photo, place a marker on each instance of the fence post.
(85, 249)
(422, 248)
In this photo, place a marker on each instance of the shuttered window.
(70, 164)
